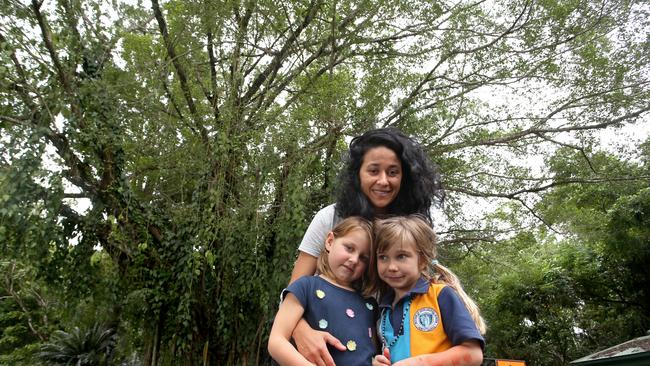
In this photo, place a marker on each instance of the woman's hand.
(382, 360)
(312, 344)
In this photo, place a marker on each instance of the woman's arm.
(305, 266)
(279, 347)
(468, 353)
(312, 344)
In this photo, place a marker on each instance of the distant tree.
(550, 299)
(611, 222)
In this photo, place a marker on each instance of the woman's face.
(380, 176)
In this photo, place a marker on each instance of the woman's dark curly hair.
(420, 178)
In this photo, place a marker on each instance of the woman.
(387, 173)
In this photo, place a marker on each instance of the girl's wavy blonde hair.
(399, 230)
(342, 229)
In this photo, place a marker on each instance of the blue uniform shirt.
(435, 320)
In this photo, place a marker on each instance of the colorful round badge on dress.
(351, 345)
(322, 324)
(320, 294)
(369, 306)
(350, 313)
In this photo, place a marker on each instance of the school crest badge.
(426, 319)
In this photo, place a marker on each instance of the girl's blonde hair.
(414, 229)
(342, 229)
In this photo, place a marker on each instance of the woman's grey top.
(313, 241)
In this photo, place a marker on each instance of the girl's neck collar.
(418, 287)
(334, 283)
(398, 297)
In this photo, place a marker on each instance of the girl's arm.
(311, 343)
(468, 353)
(279, 347)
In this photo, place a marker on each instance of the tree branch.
(276, 63)
(180, 72)
(47, 39)
(515, 194)
(539, 131)
(429, 77)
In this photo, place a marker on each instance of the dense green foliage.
(161, 161)
(552, 297)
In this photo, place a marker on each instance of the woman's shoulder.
(329, 209)
(313, 241)
(325, 215)
(325, 212)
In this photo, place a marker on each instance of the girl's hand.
(382, 360)
(312, 344)
(468, 353)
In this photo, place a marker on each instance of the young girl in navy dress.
(426, 319)
(335, 300)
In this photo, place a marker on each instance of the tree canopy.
(161, 160)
